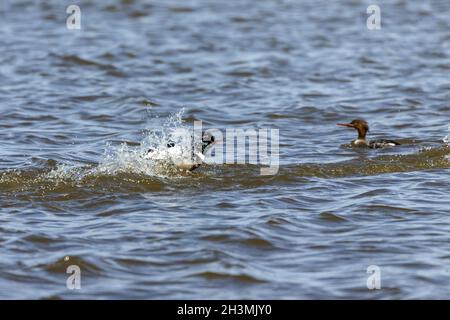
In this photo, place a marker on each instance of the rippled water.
(77, 107)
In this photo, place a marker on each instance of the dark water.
(70, 194)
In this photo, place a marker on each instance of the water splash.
(122, 167)
(123, 158)
(446, 139)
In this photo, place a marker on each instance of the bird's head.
(207, 140)
(358, 124)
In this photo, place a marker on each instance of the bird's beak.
(345, 125)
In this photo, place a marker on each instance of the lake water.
(78, 106)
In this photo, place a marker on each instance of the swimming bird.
(362, 127)
(180, 150)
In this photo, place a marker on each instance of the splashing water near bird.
(123, 158)
(447, 137)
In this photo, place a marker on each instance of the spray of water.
(123, 158)
(447, 137)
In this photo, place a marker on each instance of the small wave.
(446, 139)
(123, 167)
(240, 277)
(120, 165)
(426, 159)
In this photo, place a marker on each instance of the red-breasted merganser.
(180, 150)
(362, 127)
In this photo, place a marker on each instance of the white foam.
(446, 139)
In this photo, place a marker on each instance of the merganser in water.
(180, 150)
(362, 127)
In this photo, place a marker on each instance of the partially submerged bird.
(182, 151)
(362, 127)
